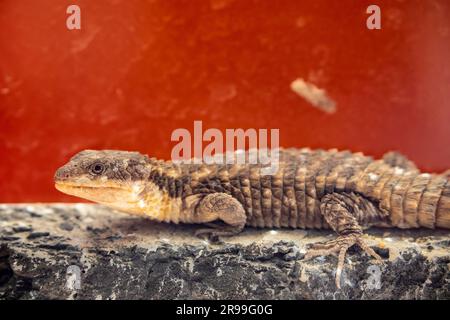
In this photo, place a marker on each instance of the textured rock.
(44, 247)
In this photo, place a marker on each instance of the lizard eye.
(97, 168)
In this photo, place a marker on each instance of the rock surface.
(82, 251)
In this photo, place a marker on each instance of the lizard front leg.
(225, 212)
(343, 212)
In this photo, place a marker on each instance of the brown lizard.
(318, 189)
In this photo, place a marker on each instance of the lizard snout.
(62, 174)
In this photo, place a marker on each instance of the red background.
(137, 70)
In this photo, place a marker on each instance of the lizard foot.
(215, 231)
(338, 247)
(226, 213)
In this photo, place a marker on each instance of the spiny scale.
(291, 197)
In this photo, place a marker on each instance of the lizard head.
(113, 178)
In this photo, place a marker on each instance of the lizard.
(312, 189)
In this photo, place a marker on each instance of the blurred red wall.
(137, 70)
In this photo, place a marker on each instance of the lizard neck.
(157, 204)
(149, 200)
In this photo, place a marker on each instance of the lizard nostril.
(61, 174)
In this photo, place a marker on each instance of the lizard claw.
(215, 233)
(208, 234)
(339, 247)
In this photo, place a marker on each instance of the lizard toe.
(214, 234)
(339, 248)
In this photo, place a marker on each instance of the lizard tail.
(426, 203)
(433, 209)
(443, 209)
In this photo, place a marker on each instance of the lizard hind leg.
(396, 159)
(446, 174)
(223, 214)
(342, 212)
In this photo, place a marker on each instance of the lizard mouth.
(63, 185)
(75, 189)
(97, 193)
